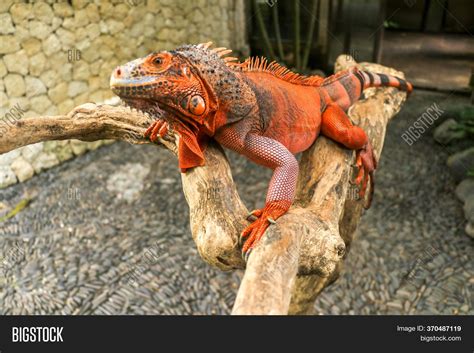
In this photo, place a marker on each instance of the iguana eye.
(158, 61)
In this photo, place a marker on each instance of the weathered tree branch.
(88, 122)
(298, 256)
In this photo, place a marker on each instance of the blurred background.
(89, 230)
(429, 40)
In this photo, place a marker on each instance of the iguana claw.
(246, 254)
(255, 213)
(366, 163)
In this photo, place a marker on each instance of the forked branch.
(298, 256)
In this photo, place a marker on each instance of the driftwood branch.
(300, 255)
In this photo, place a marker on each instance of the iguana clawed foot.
(265, 217)
(159, 128)
(366, 164)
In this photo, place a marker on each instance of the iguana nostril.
(118, 72)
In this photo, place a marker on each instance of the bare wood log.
(311, 240)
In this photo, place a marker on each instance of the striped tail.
(381, 80)
(345, 88)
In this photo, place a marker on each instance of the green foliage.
(18, 208)
(301, 47)
(391, 24)
(466, 121)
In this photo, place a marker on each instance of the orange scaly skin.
(258, 109)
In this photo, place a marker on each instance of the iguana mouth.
(135, 92)
(143, 91)
(138, 97)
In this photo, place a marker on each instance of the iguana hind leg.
(337, 126)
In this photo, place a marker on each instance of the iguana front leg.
(190, 145)
(281, 191)
(159, 128)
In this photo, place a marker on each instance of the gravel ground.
(108, 233)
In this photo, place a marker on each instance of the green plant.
(466, 121)
(300, 55)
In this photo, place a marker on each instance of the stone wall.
(55, 55)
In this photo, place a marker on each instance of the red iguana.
(261, 110)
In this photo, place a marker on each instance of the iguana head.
(182, 82)
(165, 80)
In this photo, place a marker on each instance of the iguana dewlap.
(258, 109)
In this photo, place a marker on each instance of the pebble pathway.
(108, 233)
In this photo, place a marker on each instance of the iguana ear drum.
(196, 105)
